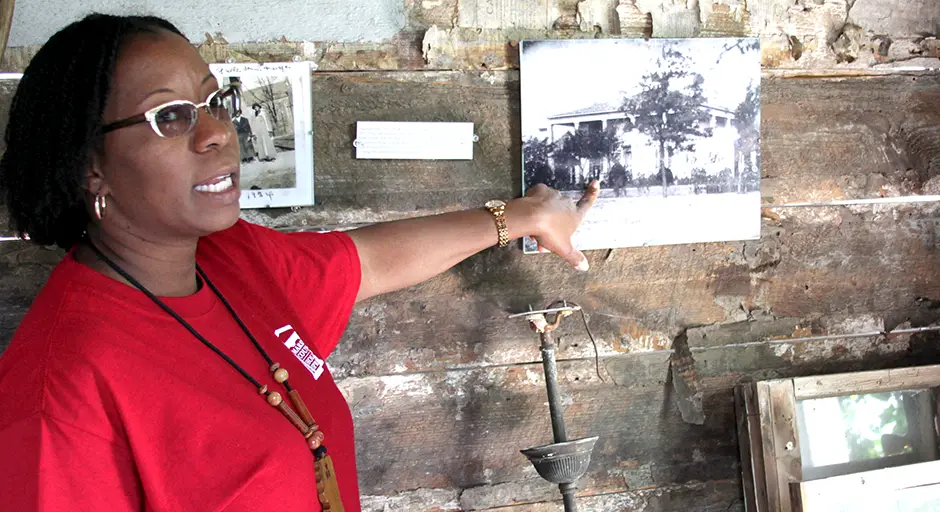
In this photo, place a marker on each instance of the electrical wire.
(597, 359)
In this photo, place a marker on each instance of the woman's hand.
(554, 219)
(398, 254)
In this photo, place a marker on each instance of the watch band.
(498, 209)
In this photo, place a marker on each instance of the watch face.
(495, 203)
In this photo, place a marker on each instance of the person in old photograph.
(263, 134)
(174, 359)
(244, 131)
(271, 149)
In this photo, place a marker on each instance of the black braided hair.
(55, 123)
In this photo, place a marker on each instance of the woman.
(243, 131)
(160, 366)
(261, 128)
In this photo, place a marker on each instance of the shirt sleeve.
(49, 465)
(322, 274)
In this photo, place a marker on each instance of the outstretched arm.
(403, 253)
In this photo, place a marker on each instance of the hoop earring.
(101, 204)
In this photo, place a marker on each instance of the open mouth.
(218, 185)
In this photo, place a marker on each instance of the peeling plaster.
(673, 18)
(733, 307)
(897, 17)
(857, 324)
(408, 385)
(784, 351)
(634, 22)
(599, 15)
(34, 21)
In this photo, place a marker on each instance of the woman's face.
(165, 189)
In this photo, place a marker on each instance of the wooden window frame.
(768, 436)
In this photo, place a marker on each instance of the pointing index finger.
(590, 196)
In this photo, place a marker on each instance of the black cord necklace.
(327, 489)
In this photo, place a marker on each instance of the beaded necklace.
(327, 487)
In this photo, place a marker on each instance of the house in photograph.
(715, 152)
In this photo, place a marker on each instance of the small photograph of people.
(265, 128)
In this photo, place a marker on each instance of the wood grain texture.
(772, 477)
(786, 441)
(6, 21)
(712, 496)
(23, 270)
(750, 445)
(638, 300)
(822, 139)
(462, 429)
(466, 429)
(883, 489)
(920, 377)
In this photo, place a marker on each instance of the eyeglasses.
(177, 118)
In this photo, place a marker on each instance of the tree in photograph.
(267, 93)
(745, 121)
(537, 154)
(670, 108)
(587, 145)
(605, 144)
(565, 164)
(572, 151)
(743, 46)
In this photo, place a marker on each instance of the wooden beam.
(750, 444)
(771, 469)
(6, 21)
(898, 488)
(719, 496)
(781, 443)
(857, 383)
(464, 429)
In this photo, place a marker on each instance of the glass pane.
(852, 428)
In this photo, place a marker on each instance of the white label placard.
(392, 140)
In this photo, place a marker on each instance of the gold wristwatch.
(498, 209)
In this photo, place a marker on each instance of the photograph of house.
(671, 134)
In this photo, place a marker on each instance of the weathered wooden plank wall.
(445, 389)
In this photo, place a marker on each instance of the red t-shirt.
(108, 403)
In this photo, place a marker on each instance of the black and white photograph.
(274, 131)
(670, 128)
(8, 85)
